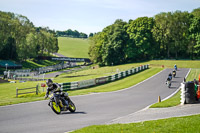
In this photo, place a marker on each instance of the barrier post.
(159, 99)
(37, 89)
(16, 92)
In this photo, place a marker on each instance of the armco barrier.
(102, 80)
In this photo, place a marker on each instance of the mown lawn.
(73, 47)
(187, 124)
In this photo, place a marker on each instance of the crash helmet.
(49, 83)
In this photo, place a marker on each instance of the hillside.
(73, 47)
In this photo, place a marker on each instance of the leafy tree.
(139, 31)
(161, 34)
(107, 47)
(71, 33)
(19, 39)
(196, 12)
(91, 35)
(179, 32)
(194, 35)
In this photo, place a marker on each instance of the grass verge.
(187, 124)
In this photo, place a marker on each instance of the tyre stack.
(189, 92)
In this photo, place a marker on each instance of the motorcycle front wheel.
(55, 107)
(72, 107)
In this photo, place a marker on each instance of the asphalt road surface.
(92, 109)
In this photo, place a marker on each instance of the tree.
(19, 39)
(139, 31)
(107, 47)
(194, 35)
(196, 12)
(179, 32)
(161, 34)
(91, 35)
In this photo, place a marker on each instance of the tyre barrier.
(189, 93)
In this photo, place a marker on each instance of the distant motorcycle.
(174, 73)
(56, 102)
(168, 83)
(175, 67)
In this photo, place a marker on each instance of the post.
(16, 92)
(159, 99)
(37, 89)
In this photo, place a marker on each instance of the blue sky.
(91, 16)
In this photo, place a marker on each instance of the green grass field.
(187, 124)
(73, 47)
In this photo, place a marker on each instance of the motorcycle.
(175, 67)
(57, 103)
(168, 83)
(174, 73)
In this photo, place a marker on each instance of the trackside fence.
(102, 80)
(24, 90)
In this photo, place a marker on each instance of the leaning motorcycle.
(57, 103)
(168, 83)
(174, 73)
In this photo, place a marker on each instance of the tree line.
(21, 40)
(167, 35)
(71, 33)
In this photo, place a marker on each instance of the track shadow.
(173, 88)
(174, 81)
(78, 112)
(178, 77)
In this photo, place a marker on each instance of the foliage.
(70, 33)
(171, 35)
(108, 47)
(139, 31)
(19, 39)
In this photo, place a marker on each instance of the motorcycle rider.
(174, 72)
(169, 78)
(175, 67)
(55, 87)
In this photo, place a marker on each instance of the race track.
(93, 109)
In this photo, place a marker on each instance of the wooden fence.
(31, 90)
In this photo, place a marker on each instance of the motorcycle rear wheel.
(55, 108)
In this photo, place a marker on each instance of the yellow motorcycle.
(58, 103)
(174, 73)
